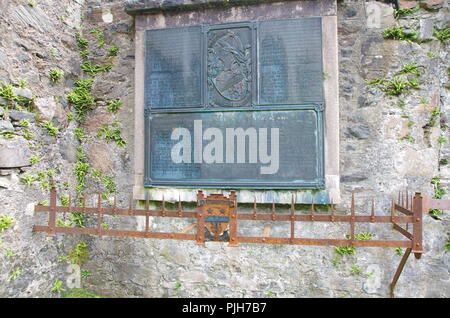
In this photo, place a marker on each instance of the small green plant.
(5, 222)
(79, 255)
(113, 51)
(85, 274)
(92, 69)
(27, 179)
(9, 252)
(398, 33)
(399, 251)
(105, 226)
(396, 86)
(363, 236)
(24, 123)
(70, 116)
(27, 134)
(442, 34)
(447, 244)
(7, 92)
(55, 74)
(65, 200)
(401, 13)
(407, 138)
(435, 114)
(62, 223)
(114, 106)
(32, 3)
(8, 134)
(35, 159)
(77, 219)
(443, 162)
(81, 41)
(80, 171)
(345, 250)
(13, 275)
(80, 97)
(51, 129)
(79, 133)
(79, 293)
(411, 68)
(22, 83)
(355, 269)
(100, 37)
(442, 140)
(112, 132)
(109, 184)
(84, 54)
(431, 55)
(335, 261)
(271, 294)
(178, 285)
(57, 287)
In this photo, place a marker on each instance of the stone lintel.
(140, 7)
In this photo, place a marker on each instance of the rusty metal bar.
(352, 218)
(147, 217)
(417, 225)
(402, 209)
(399, 271)
(292, 218)
(332, 242)
(403, 231)
(240, 216)
(99, 214)
(429, 204)
(234, 240)
(122, 233)
(52, 216)
(201, 219)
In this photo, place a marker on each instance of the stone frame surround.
(154, 15)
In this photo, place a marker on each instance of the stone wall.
(388, 143)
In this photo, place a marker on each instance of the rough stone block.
(16, 115)
(14, 153)
(6, 126)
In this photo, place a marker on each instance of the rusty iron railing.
(217, 219)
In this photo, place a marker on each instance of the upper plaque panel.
(290, 61)
(229, 68)
(173, 68)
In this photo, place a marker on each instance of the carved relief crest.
(229, 67)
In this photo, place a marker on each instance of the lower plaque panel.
(277, 148)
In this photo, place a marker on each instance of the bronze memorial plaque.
(235, 105)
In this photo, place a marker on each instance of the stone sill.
(139, 7)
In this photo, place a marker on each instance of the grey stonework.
(374, 162)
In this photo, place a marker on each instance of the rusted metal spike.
(392, 212)
(273, 210)
(372, 211)
(163, 213)
(99, 213)
(332, 210)
(254, 208)
(312, 209)
(84, 203)
(292, 219)
(70, 203)
(180, 206)
(130, 205)
(352, 218)
(407, 199)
